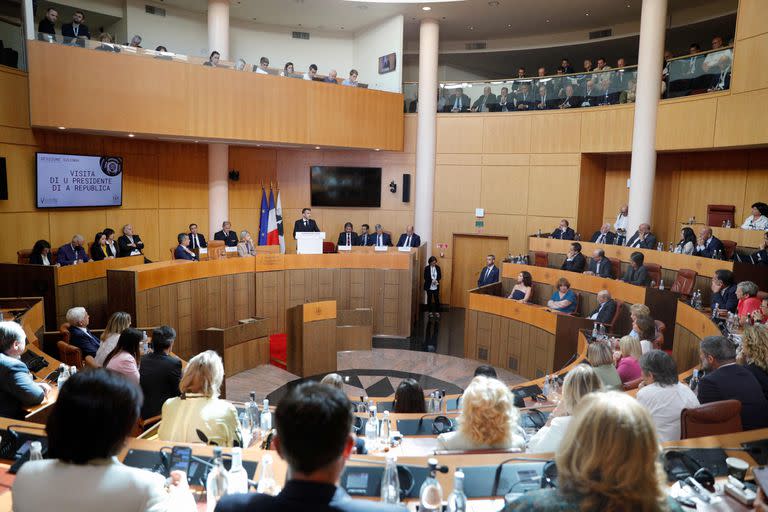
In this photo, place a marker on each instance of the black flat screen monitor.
(346, 186)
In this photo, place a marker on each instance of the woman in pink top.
(627, 359)
(125, 357)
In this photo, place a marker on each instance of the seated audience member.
(726, 380)
(334, 380)
(409, 238)
(196, 239)
(352, 80)
(160, 372)
(107, 43)
(645, 328)
(504, 100)
(663, 394)
(607, 431)
(544, 99)
(486, 371)
(72, 253)
(637, 310)
(754, 354)
(643, 238)
(687, 243)
(287, 69)
(481, 103)
(604, 236)
(574, 260)
(569, 100)
(330, 78)
(99, 247)
(348, 237)
(490, 273)
(409, 397)
(18, 388)
(161, 48)
(606, 308)
(380, 238)
(523, 289)
(636, 272)
(364, 238)
(708, 245)
(564, 231)
(111, 406)
(124, 358)
(599, 265)
(579, 382)
(198, 415)
(564, 299)
(600, 357)
(590, 98)
(760, 316)
(79, 335)
(759, 218)
(316, 461)
(746, 292)
(488, 420)
(311, 73)
(47, 25)
(524, 99)
(240, 64)
(629, 93)
(246, 246)
(213, 60)
(76, 31)
(261, 69)
(129, 244)
(627, 359)
(226, 234)
(41, 253)
(112, 249)
(135, 42)
(182, 251)
(117, 323)
(457, 101)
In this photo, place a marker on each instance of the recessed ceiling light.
(377, 149)
(62, 128)
(426, 8)
(131, 135)
(470, 27)
(509, 25)
(317, 147)
(586, 14)
(493, 3)
(548, 21)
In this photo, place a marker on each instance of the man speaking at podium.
(305, 224)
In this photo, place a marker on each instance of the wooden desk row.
(748, 238)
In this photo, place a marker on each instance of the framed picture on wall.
(387, 63)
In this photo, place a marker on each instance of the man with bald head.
(481, 103)
(409, 238)
(606, 308)
(604, 236)
(709, 246)
(599, 265)
(643, 238)
(73, 252)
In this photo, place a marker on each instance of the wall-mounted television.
(77, 181)
(345, 186)
(387, 63)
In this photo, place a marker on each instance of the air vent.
(478, 45)
(300, 35)
(598, 34)
(156, 11)
(482, 353)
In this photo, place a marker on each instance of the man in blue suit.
(709, 246)
(564, 231)
(227, 235)
(72, 252)
(381, 238)
(364, 238)
(17, 386)
(409, 238)
(490, 273)
(196, 240)
(79, 335)
(182, 251)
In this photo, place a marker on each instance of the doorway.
(469, 252)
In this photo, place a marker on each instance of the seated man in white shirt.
(310, 75)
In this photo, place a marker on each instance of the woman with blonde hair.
(754, 354)
(198, 415)
(117, 323)
(488, 420)
(608, 460)
(579, 382)
(628, 359)
(600, 357)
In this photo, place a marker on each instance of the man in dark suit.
(129, 244)
(315, 461)
(227, 235)
(73, 252)
(590, 95)
(727, 380)
(599, 265)
(182, 251)
(636, 272)
(574, 260)
(364, 238)
(643, 238)
(724, 291)
(348, 236)
(79, 335)
(569, 100)
(490, 273)
(76, 32)
(380, 238)
(603, 313)
(504, 100)
(563, 231)
(47, 25)
(709, 246)
(409, 238)
(17, 386)
(160, 372)
(196, 240)
(604, 236)
(481, 103)
(524, 99)
(305, 224)
(607, 95)
(457, 101)
(544, 99)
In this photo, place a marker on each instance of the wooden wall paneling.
(545, 223)
(685, 351)
(144, 224)
(498, 337)
(506, 134)
(405, 305)
(184, 318)
(327, 283)
(553, 187)
(22, 230)
(512, 226)
(245, 219)
(514, 347)
(591, 194)
(410, 126)
(13, 84)
(141, 181)
(750, 19)
(457, 188)
(483, 346)
(686, 123)
(172, 221)
(607, 129)
(183, 172)
(509, 199)
(463, 159)
(469, 260)
(556, 132)
(666, 191)
(64, 224)
(757, 181)
(270, 298)
(257, 168)
(740, 119)
(470, 334)
(460, 134)
(553, 159)
(746, 76)
(20, 164)
(616, 192)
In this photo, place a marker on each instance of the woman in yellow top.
(198, 415)
(99, 247)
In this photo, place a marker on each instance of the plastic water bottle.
(716, 310)
(390, 484)
(538, 233)
(431, 493)
(546, 389)
(671, 247)
(252, 409)
(384, 431)
(238, 478)
(457, 500)
(694, 383)
(267, 483)
(660, 247)
(661, 284)
(218, 481)
(371, 431)
(35, 451)
(266, 418)
(594, 331)
(63, 375)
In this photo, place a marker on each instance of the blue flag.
(263, 219)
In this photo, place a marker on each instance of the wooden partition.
(311, 348)
(242, 346)
(692, 326)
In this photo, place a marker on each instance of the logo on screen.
(111, 165)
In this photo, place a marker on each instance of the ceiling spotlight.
(131, 135)
(586, 14)
(426, 8)
(62, 128)
(493, 3)
(377, 149)
(548, 21)
(317, 147)
(509, 25)
(470, 27)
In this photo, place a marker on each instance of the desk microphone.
(208, 464)
(544, 477)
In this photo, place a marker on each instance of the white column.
(218, 186)
(649, 64)
(425, 134)
(218, 27)
(29, 19)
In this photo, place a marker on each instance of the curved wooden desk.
(692, 326)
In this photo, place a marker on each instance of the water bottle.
(371, 430)
(716, 310)
(661, 284)
(252, 409)
(602, 331)
(266, 418)
(267, 483)
(660, 246)
(431, 493)
(384, 431)
(594, 331)
(217, 482)
(390, 484)
(538, 233)
(546, 389)
(35, 451)
(457, 500)
(238, 478)
(63, 375)
(671, 247)
(694, 383)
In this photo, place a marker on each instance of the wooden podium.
(311, 345)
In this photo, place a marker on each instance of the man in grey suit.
(17, 386)
(599, 265)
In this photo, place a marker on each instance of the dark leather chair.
(329, 248)
(684, 282)
(22, 256)
(654, 272)
(541, 259)
(719, 213)
(729, 247)
(632, 384)
(715, 418)
(619, 308)
(615, 267)
(578, 304)
(658, 343)
(70, 354)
